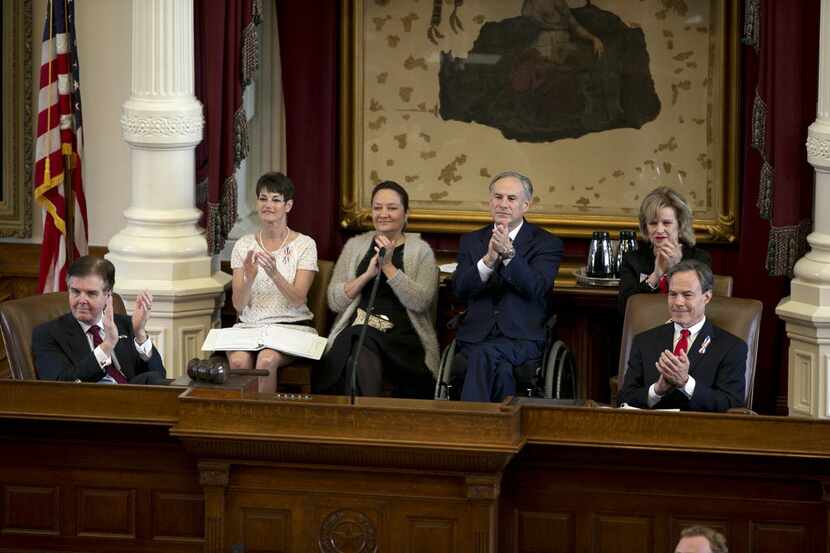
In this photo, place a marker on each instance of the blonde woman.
(666, 223)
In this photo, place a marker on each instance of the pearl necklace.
(262, 243)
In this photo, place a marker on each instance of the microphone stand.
(370, 309)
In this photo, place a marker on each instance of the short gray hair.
(717, 542)
(704, 273)
(525, 181)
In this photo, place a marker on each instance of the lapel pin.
(704, 345)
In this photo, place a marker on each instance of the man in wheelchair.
(505, 274)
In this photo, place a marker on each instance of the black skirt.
(399, 348)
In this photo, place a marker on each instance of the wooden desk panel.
(208, 470)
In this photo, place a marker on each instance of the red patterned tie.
(112, 372)
(683, 342)
(663, 285)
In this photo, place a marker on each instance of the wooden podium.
(166, 469)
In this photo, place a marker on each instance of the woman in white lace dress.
(272, 272)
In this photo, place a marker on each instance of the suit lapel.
(524, 239)
(123, 351)
(694, 355)
(484, 237)
(74, 339)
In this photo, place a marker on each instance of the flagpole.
(69, 219)
(69, 167)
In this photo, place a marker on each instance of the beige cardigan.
(416, 289)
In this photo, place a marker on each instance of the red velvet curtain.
(225, 60)
(782, 61)
(780, 82)
(308, 32)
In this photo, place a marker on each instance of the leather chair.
(18, 318)
(722, 286)
(738, 316)
(296, 376)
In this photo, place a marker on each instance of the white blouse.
(267, 305)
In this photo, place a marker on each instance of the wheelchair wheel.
(560, 373)
(444, 369)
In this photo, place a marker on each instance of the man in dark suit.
(687, 363)
(505, 274)
(91, 344)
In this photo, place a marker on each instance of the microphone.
(370, 309)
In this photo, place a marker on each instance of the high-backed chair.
(296, 376)
(722, 286)
(18, 318)
(738, 316)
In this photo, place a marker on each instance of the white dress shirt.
(145, 350)
(483, 270)
(689, 388)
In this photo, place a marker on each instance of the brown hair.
(90, 265)
(276, 183)
(662, 197)
(717, 542)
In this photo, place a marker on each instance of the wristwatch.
(510, 253)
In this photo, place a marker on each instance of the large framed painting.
(16, 187)
(597, 101)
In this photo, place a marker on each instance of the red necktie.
(683, 342)
(115, 374)
(663, 285)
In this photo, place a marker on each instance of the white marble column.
(162, 249)
(807, 310)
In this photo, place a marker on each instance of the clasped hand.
(500, 245)
(667, 255)
(674, 371)
(388, 247)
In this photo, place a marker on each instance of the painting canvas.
(597, 101)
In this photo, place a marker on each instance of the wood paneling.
(772, 537)
(436, 535)
(622, 534)
(216, 472)
(266, 530)
(551, 532)
(178, 517)
(31, 510)
(106, 513)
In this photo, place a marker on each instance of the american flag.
(59, 144)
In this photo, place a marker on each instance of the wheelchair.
(551, 377)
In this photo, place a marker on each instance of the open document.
(277, 337)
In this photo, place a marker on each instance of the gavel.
(213, 371)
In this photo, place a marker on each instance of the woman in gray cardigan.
(401, 346)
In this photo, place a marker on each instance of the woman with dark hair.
(272, 272)
(666, 223)
(401, 345)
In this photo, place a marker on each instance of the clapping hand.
(667, 255)
(250, 267)
(110, 330)
(141, 314)
(503, 244)
(267, 262)
(388, 247)
(674, 371)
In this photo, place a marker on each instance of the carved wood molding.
(691, 432)
(483, 486)
(212, 473)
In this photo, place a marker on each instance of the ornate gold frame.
(16, 203)
(724, 228)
